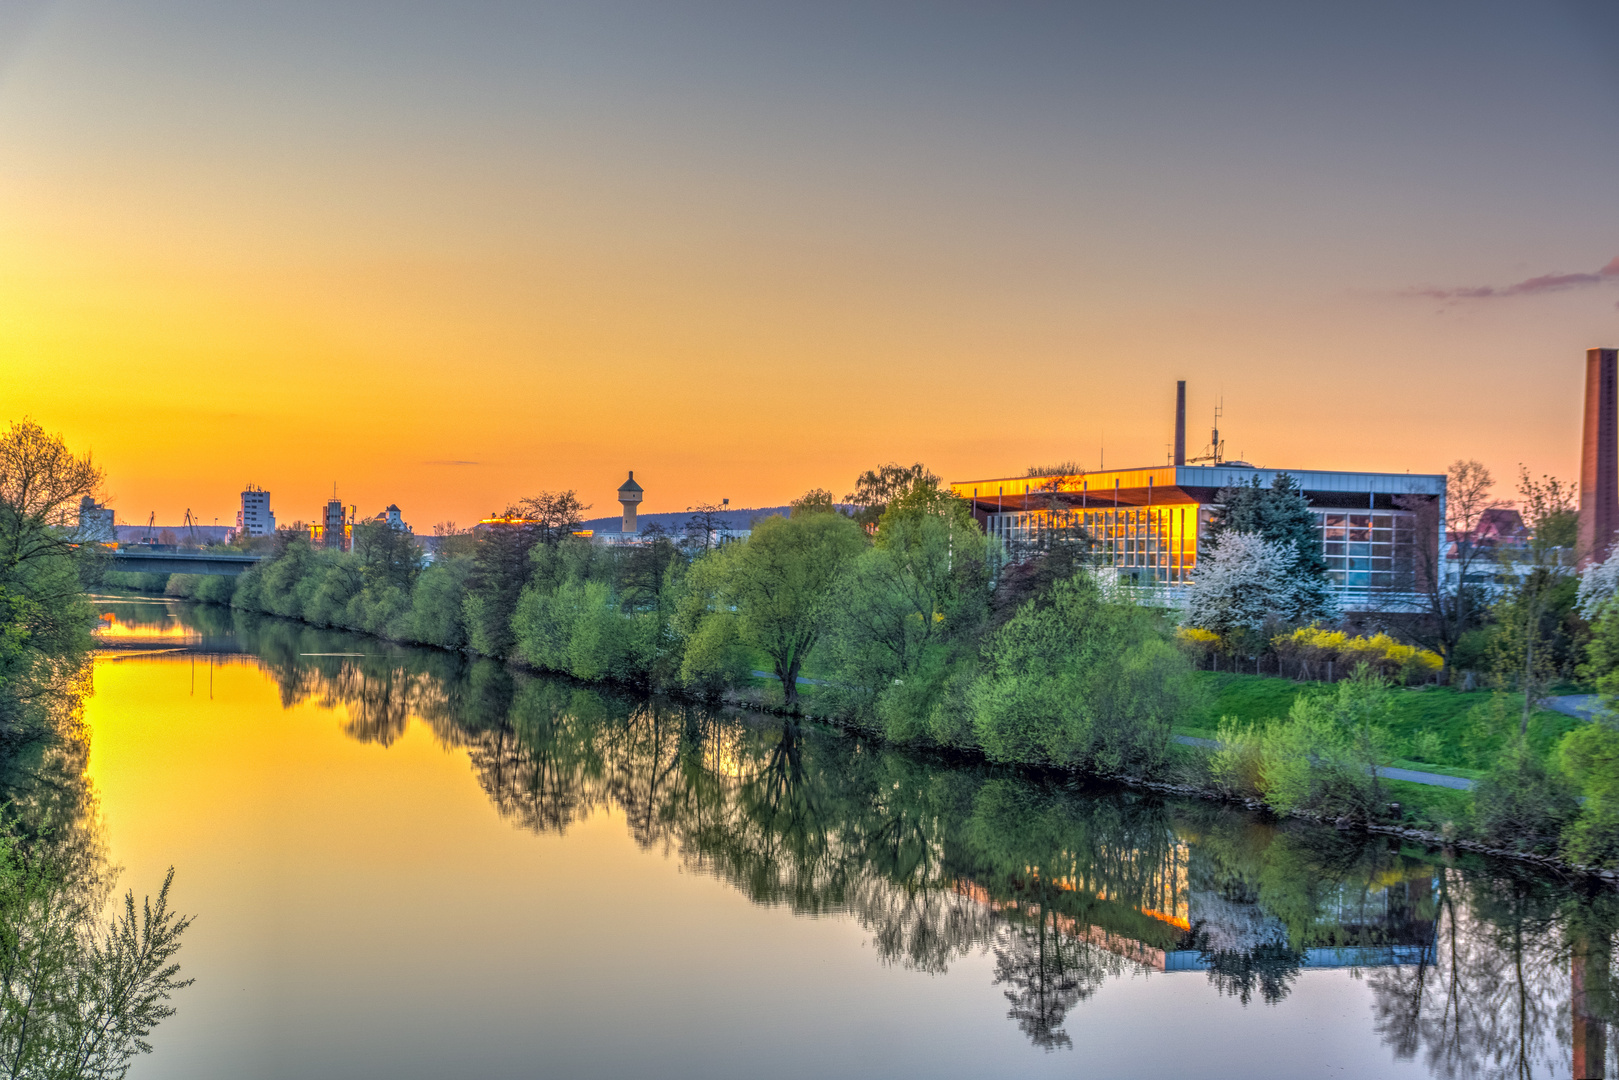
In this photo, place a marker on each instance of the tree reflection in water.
(1472, 970)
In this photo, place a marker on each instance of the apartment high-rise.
(255, 517)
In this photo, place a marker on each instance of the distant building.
(392, 518)
(629, 497)
(255, 517)
(95, 523)
(333, 521)
(1380, 532)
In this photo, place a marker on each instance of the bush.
(1590, 756)
(1380, 654)
(1324, 757)
(1521, 803)
(1238, 766)
(1081, 681)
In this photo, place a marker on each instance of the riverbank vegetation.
(78, 995)
(1065, 886)
(904, 628)
(903, 620)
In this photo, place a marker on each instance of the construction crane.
(191, 526)
(151, 529)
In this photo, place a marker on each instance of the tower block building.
(1599, 456)
(629, 497)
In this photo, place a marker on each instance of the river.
(406, 864)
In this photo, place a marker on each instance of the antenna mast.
(1214, 453)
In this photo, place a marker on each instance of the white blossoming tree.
(1241, 579)
(1599, 582)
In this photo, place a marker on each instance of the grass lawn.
(1425, 807)
(1430, 727)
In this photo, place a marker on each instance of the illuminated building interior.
(1146, 523)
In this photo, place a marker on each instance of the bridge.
(128, 561)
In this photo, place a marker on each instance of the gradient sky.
(447, 255)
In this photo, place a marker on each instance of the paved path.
(1457, 783)
(801, 680)
(1579, 706)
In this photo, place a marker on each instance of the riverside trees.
(906, 631)
(44, 617)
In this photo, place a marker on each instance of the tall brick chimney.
(1599, 456)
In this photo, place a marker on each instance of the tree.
(1062, 470)
(1242, 580)
(1081, 681)
(1521, 802)
(501, 564)
(1279, 513)
(875, 488)
(814, 501)
(1455, 603)
(911, 608)
(78, 1000)
(1590, 756)
(703, 527)
(41, 483)
(1539, 629)
(781, 581)
(554, 515)
(44, 617)
(387, 556)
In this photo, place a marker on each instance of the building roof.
(630, 484)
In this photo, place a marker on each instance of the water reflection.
(1475, 971)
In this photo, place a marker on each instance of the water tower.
(629, 497)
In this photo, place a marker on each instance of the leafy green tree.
(436, 603)
(387, 556)
(781, 583)
(875, 488)
(910, 611)
(500, 568)
(1081, 681)
(1590, 756)
(1539, 633)
(814, 501)
(78, 999)
(712, 655)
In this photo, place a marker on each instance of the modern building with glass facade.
(1379, 531)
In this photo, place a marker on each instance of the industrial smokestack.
(1599, 456)
(1180, 422)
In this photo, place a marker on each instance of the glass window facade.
(1146, 543)
(1367, 548)
(1364, 549)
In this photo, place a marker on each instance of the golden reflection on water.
(362, 898)
(381, 894)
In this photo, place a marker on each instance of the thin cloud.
(1528, 287)
(449, 463)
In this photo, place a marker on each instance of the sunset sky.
(448, 255)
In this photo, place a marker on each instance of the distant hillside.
(676, 523)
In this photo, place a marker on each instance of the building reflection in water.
(1475, 972)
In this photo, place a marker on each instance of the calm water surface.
(404, 864)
